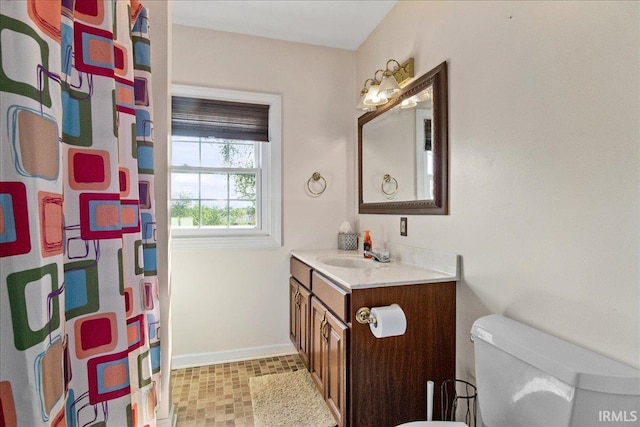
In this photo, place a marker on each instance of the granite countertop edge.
(394, 273)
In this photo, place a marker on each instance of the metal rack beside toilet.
(450, 401)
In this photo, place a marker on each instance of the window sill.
(224, 242)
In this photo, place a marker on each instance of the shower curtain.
(79, 319)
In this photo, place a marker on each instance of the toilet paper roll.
(390, 321)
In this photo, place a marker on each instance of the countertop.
(393, 273)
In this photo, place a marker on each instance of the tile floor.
(218, 395)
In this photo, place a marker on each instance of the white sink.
(349, 262)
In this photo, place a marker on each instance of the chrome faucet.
(379, 256)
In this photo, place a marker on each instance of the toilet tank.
(526, 377)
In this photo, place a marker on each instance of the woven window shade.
(219, 119)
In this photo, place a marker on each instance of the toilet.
(526, 377)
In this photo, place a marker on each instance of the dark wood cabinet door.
(304, 301)
(294, 313)
(317, 344)
(336, 340)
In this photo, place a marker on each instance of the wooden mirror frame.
(440, 203)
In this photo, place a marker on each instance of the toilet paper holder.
(363, 315)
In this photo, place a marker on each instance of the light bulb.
(374, 97)
(389, 87)
(408, 103)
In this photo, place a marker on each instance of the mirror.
(403, 151)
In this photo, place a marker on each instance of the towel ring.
(317, 177)
(386, 179)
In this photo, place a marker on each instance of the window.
(225, 168)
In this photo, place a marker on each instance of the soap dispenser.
(367, 245)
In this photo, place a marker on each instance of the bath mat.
(289, 399)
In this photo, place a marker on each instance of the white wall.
(544, 155)
(234, 303)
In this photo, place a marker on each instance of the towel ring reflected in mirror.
(390, 182)
(316, 177)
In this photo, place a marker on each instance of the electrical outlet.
(403, 226)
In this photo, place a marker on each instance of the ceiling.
(335, 23)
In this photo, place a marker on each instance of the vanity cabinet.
(299, 308)
(364, 380)
(388, 376)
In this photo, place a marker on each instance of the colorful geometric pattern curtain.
(79, 312)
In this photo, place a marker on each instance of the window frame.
(269, 192)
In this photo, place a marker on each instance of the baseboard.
(170, 421)
(213, 358)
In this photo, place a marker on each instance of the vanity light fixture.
(379, 92)
(363, 94)
(361, 105)
(374, 97)
(368, 95)
(371, 96)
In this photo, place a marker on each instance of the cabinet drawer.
(333, 296)
(301, 271)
